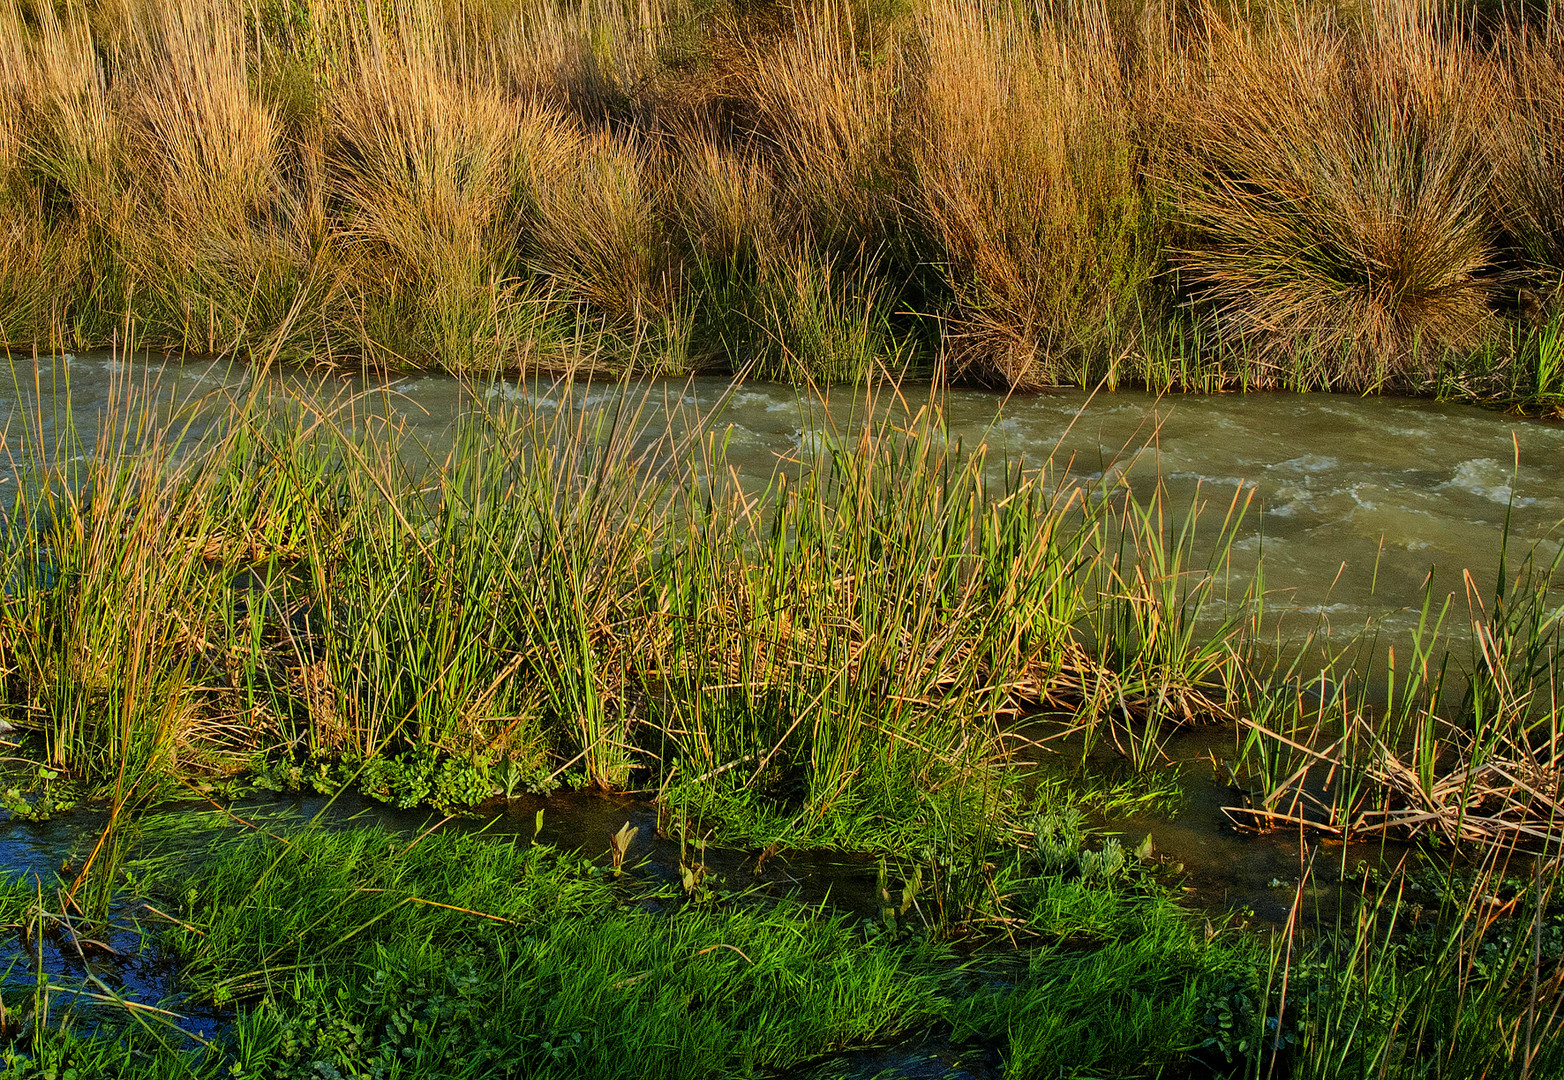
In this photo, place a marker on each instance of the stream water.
(1358, 505)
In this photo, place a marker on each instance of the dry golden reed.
(1020, 193)
(1026, 173)
(1335, 185)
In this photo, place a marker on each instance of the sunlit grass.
(1020, 196)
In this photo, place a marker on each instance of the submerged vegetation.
(1176, 195)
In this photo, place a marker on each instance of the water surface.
(1358, 504)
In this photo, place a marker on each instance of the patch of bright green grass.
(364, 953)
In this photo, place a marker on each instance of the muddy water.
(1355, 502)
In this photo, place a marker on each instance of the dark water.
(86, 963)
(1226, 870)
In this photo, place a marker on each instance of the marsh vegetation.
(958, 670)
(1168, 194)
(889, 649)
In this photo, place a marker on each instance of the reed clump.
(1026, 171)
(1335, 186)
(841, 653)
(1021, 195)
(572, 596)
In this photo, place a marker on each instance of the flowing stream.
(1358, 504)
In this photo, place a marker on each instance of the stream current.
(1358, 504)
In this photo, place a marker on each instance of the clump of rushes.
(1528, 149)
(435, 171)
(1333, 179)
(586, 598)
(1026, 173)
(111, 550)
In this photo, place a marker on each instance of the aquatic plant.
(1464, 751)
(571, 596)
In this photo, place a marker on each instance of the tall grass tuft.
(1027, 176)
(1529, 170)
(1333, 180)
(822, 110)
(61, 204)
(989, 191)
(433, 167)
(216, 245)
(600, 236)
(602, 62)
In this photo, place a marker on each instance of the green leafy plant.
(50, 795)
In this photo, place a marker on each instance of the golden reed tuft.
(1022, 194)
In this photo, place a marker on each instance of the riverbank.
(883, 648)
(1110, 194)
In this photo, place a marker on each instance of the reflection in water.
(84, 966)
